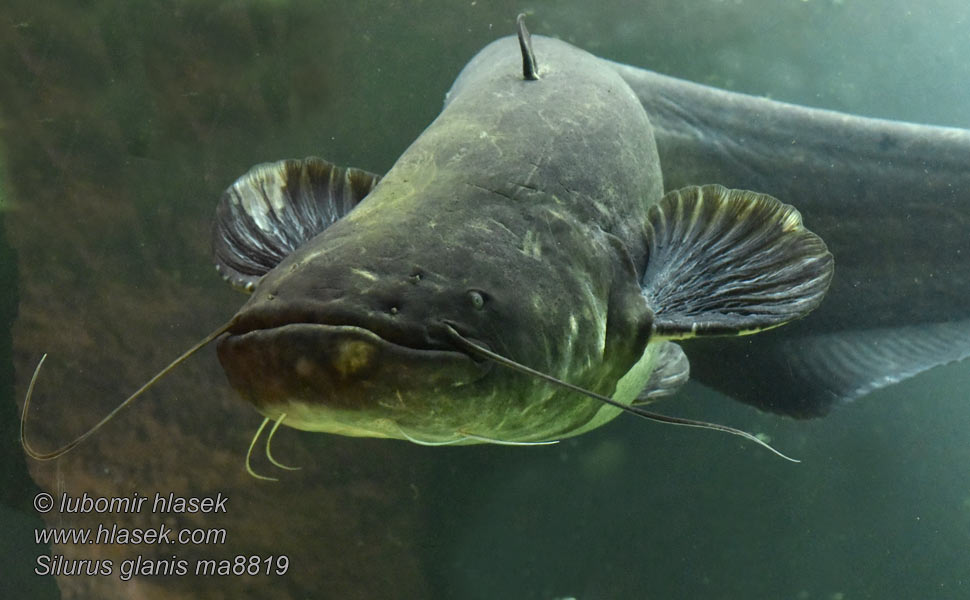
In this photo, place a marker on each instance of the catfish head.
(354, 332)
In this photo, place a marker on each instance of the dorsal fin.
(530, 71)
(275, 207)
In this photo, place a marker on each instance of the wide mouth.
(431, 350)
(395, 331)
(341, 366)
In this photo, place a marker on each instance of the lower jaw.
(318, 418)
(321, 419)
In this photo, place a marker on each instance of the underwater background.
(122, 122)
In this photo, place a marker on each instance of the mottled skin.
(517, 218)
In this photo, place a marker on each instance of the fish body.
(527, 218)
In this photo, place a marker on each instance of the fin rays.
(274, 208)
(730, 262)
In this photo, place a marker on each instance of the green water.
(122, 123)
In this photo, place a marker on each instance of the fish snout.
(338, 366)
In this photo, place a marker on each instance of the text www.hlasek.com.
(60, 565)
(129, 535)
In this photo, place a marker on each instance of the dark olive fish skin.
(529, 194)
(523, 219)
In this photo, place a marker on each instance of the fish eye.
(477, 299)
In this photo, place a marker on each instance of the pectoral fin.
(730, 262)
(671, 370)
(275, 207)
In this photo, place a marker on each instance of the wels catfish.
(519, 275)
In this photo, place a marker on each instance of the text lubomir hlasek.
(159, 503)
